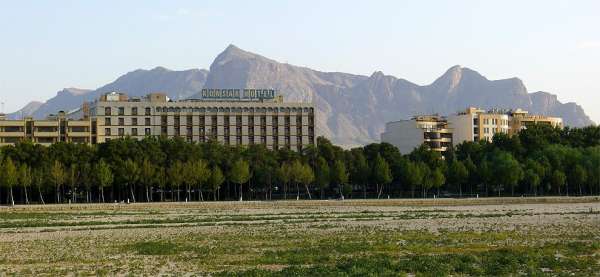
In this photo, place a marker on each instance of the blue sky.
(551, 45)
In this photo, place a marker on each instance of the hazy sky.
(552, 46)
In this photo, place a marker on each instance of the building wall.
(273, 124)
(462, 128)
(405, 135)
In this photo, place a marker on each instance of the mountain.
(176, 84)
(26, 111)
(351, 109)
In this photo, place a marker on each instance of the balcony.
(41, 123)
(12, 134)
(12, 123)
(78, 123)
(78, 134)
(45, 134)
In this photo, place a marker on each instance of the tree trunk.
(132, 194)
(285, 191)
(26, 196)
(41, 196)
(102, 193)
(308, 191)
(241, 195)
(147, 194)
(297, 192)
(189, 192)
(12, 200)
(365, 191)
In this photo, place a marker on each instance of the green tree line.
(539, 161)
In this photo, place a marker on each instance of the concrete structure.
(56, 128)
(431, 130)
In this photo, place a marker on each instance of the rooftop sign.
(238, 94)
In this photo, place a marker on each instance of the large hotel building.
(232, 117)
(439, 133)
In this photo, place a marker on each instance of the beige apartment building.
(476, 124)
(55, 128)
(231, 121)
(406, 135)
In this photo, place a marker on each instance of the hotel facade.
(231, 117)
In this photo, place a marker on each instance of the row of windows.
(235, 109)
(495, 121)
(134, 121)
(121, 111)
(148, 110)
(238, 120)
(494, 130)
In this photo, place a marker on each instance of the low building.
(56, 128)
(431, 130)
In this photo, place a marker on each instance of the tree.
(10, 177)
(197, 174)
(558, 180)
(38, 180)
(146, 176)
(458, 175)
(104, 177)
(131, 176)
(215, 180)
(176, 176)
(73, 179)
(339, 175)
(532, 179)
(58, 176)
(382, 175)
(413, 174)
(360, 171)
(285, 173)
(322, 175)
(240, 174)
(507, 171)
(578, 176)
(307, 176)
(25, 179)
(437, 179)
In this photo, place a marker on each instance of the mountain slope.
(353, 109)
(176, 84)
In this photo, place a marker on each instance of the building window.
(163, 130)
(134, 121)
(251, 121)
(148, 111)
(121, 132)
(121, 110)
(287, 140)
(189, 120)
(287, 120)
(121, 121)
(201, 120)
(134, 111)
(177, 121)
(189, 131)
(134, 132)
(107, 131)
(107, 111)
(263, 120)
(263, 140)
(107, 121)
(147, 121)
(147, 131)
(202, 131)
(275, 130)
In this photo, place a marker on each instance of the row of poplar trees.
(539, 161)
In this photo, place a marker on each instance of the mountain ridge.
(351, 109)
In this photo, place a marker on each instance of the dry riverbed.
(497, 236)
